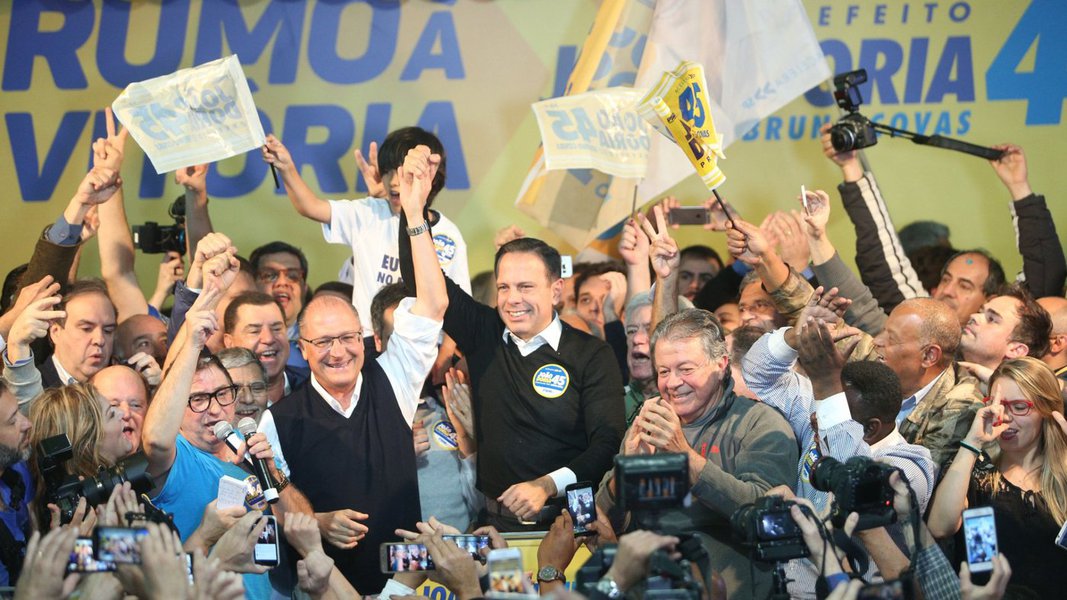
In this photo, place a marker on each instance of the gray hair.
(638, 301)
(235, 358)
(693, 323)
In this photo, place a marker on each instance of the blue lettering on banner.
(551, 381)
(1045, 86)
(445, 247)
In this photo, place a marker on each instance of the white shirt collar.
(919, 395)
(333, 403)
(64, 377)
(894, 438)
(549, 335)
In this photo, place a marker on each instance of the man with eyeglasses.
(185, 459)
(346, 434)
(250, 378)
(255, 321)
(281, 271)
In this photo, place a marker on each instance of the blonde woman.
(1026, 484)
(93, 426)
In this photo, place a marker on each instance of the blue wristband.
(832, 581)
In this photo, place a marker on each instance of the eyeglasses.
(256, 389)
(225, 396)
(348, 340)
(272, 275)
(1019, 408)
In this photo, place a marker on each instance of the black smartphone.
(581, 506)
(400, 557)
(120, 545)
(83, 558)
(266, 550)
(890, 590)
(688, 215)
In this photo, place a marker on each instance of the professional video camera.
(153, 238)
(64, 490)
(651, 483)
(767, 526)
(855, 131)
(859, 485)
(666, 578)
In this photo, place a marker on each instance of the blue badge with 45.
(551, 381)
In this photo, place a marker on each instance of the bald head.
(141, 333)
(939, 326)
(127, 391)
(1056, 356)
(326, 303)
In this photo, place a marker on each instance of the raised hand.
(987, 426)
(235, 548)
(633, 243)
(1011, 169)
(718, 220)
(416, 178)
(275, 153)
(44, 570)
(97, 187)
(201, 320)
(108, 152)
(163, 563)
(220, 271)
(369, 168)
(32, 324)
(663, 250)
(817, 214)
(457, 397)
(208, 247)
(791, 241)
(193, 178)
(746, 242)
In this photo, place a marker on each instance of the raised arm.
(197, 218)
(115, 241)
(748, 245)
(165, 412)
(416, 176)
(1044, 266)
(304, 200)
(664, 257)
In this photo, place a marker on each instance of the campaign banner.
(596, 130)
(193, 116)
(678, 108)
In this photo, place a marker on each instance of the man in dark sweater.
(345, 436)
(547, 398)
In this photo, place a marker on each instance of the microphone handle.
(266, 482)
(234, 443)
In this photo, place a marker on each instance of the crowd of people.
(406, 401)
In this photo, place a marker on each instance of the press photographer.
(736, 449)
(80, 454)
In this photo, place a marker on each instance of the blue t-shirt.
(17, 521)
(192, 484)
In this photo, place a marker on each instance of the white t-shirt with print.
(370, 229)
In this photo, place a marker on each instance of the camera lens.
(843, 137)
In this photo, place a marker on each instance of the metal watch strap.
(414, 231)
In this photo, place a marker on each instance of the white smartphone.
(506, 577)
(566, 266)
(980, 538)
(804, 199)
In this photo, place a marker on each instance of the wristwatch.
(280, 481)
(421, 229)
(550, 573)
(609, 588)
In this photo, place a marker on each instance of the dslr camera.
(65, 490)
(767, 526)
(651, 483)
(853, 131)
(666, 578)
(153, 238)
(859, 485)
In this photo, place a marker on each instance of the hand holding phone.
(980, 538)
(582, 507)
(266, 550)
(120, 545)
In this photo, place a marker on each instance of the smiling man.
(737, 448)
(919, 344)
(547, 398)
(255, 321)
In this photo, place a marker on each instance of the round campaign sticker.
(551, 381)
(444, 434)
(810, 458)
(445, 247)
(254, 499)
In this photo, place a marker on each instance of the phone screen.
(401, 557)
(581, 506)
(266, 550)
(83, 558)
(506, 576)
(119, 544)
(980, 533)
(890, 590)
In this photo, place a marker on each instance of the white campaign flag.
(192, 116)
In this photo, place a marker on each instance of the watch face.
(549, 574)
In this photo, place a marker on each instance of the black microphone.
(247, 427)
(224, 432)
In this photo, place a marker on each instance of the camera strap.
(854, 553)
